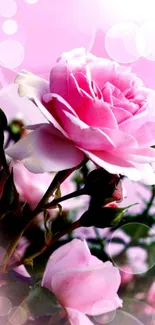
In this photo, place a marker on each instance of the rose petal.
(50, 99)
(73, 254)
(96, 113)
(121, 139)
(45, 150)
(48, 116)
(147, 173)
(22, 271)
(121, 114)
(79, 132)
(134, 123)
(62, 81)
(77, 318)
(145, 135)
(114, 164)
(146, 155)
(30, 85)
(86, 137)
(103, 281)
(104, 70)
(59, 78)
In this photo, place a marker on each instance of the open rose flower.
(81, 282)
(95, 107)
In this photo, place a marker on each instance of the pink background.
(46, 28)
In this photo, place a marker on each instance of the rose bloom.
(81, 282)
(94, 107)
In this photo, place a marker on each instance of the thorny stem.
(58, 179)
(64, 198)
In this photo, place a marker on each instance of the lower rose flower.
(82, 283)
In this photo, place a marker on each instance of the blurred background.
(33, 34)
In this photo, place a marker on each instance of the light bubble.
(9, 27)
(31, 2)
(113, 12)
(5, 306)
(18, 316)
(120, 42)
(145, 40)
(123, 317)
(106, 317)
(138, 307)
(11, 53)
(136, 257)
(85, 16)
(8, 8)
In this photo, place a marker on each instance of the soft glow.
(84, 15)
(10, 27)
(11, 54)
(136, 256)
(145, 41)
(31, 2)
(120, 42)
(18, 316)
(105, 318)
(5, 306)
(114, 12)
(8, 8)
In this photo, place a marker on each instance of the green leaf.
(102, 217)
(42, 302)
(151, 254)
(57, 194)
(136, 230)
(120, 212)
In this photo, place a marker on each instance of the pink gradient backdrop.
(48, 27)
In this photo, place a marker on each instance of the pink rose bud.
(112, 205)
(103, 187)
(81, 282)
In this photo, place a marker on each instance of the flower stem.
(64, 198)
(65, 231)
(58, 179)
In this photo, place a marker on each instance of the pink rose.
(81, 282)
(94, 107)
